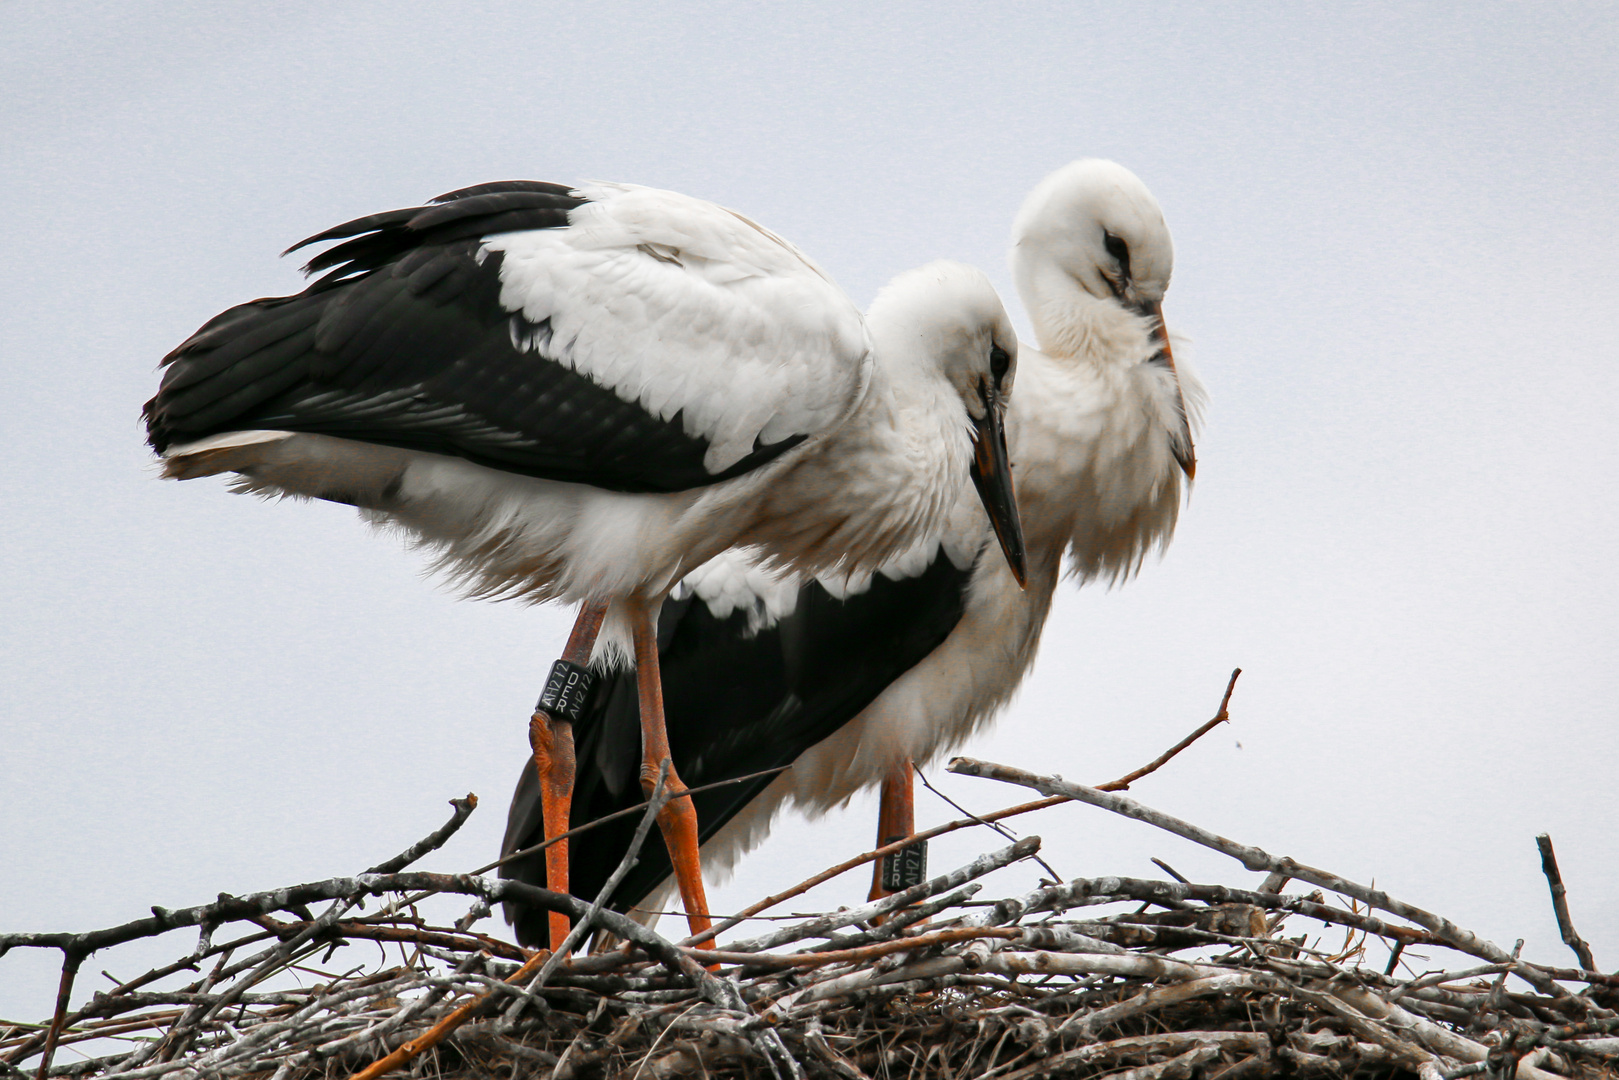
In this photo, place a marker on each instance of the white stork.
(852, 681)
(582, 394)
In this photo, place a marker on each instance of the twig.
(657, 1042)
(432, 841)
(1170, 893)
(1171, 871)
(1565, 925)
(595, 1015)
(892, 926)
(1130, 965)
(776, 961)
(815, 1039)
(441, 1030)
(226, 909)
(1143, 1045)
(71, 959)
(1221, 716)
(459, 941)
(616, 814)
(432, 1037)
(1436, 1038)
(1002, 829)
(1085, 1025)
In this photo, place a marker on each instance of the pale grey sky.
(1398, 271)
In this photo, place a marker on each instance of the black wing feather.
(403, 342)
(735, 703)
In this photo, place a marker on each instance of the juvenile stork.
(582, 394)
(849, 682)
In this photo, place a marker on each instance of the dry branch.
(1565, 924)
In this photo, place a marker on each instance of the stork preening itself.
(583, 394)
(849, 682)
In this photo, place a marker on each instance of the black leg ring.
(906, 867)
(567, 692)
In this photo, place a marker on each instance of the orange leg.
(678, 819)
(552, 740)
(896, 819)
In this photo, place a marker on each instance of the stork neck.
(900, 361)
(1097, 477)
(1062, 309)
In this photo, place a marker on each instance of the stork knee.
(649, 778)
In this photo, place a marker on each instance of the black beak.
(1184, 453)
(992, 476)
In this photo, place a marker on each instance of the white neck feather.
(1097, 477)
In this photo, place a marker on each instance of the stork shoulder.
(753, 343)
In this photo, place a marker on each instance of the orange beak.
(1184, 453)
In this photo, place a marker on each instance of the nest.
(1111, 976)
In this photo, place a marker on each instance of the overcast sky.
(1397, 270)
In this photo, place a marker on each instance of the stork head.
(1092, 258)
(948, 315)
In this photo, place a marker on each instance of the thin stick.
(364, 930)
(439, 1031)
(1121, 784)
(895, 925)
(226, 909)
(77, 946)
(616, 814)
(1002, 829)
(432, 841)
(1220, 717)
(1565, 925)
(1171, 871)
(586, 827)
(70, 969)
(983, 864)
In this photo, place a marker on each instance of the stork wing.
(623, 337)
(738, 697)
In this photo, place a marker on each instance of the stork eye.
(1120, 251)
(1000, 362)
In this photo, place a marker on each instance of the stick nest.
(1110, 976)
